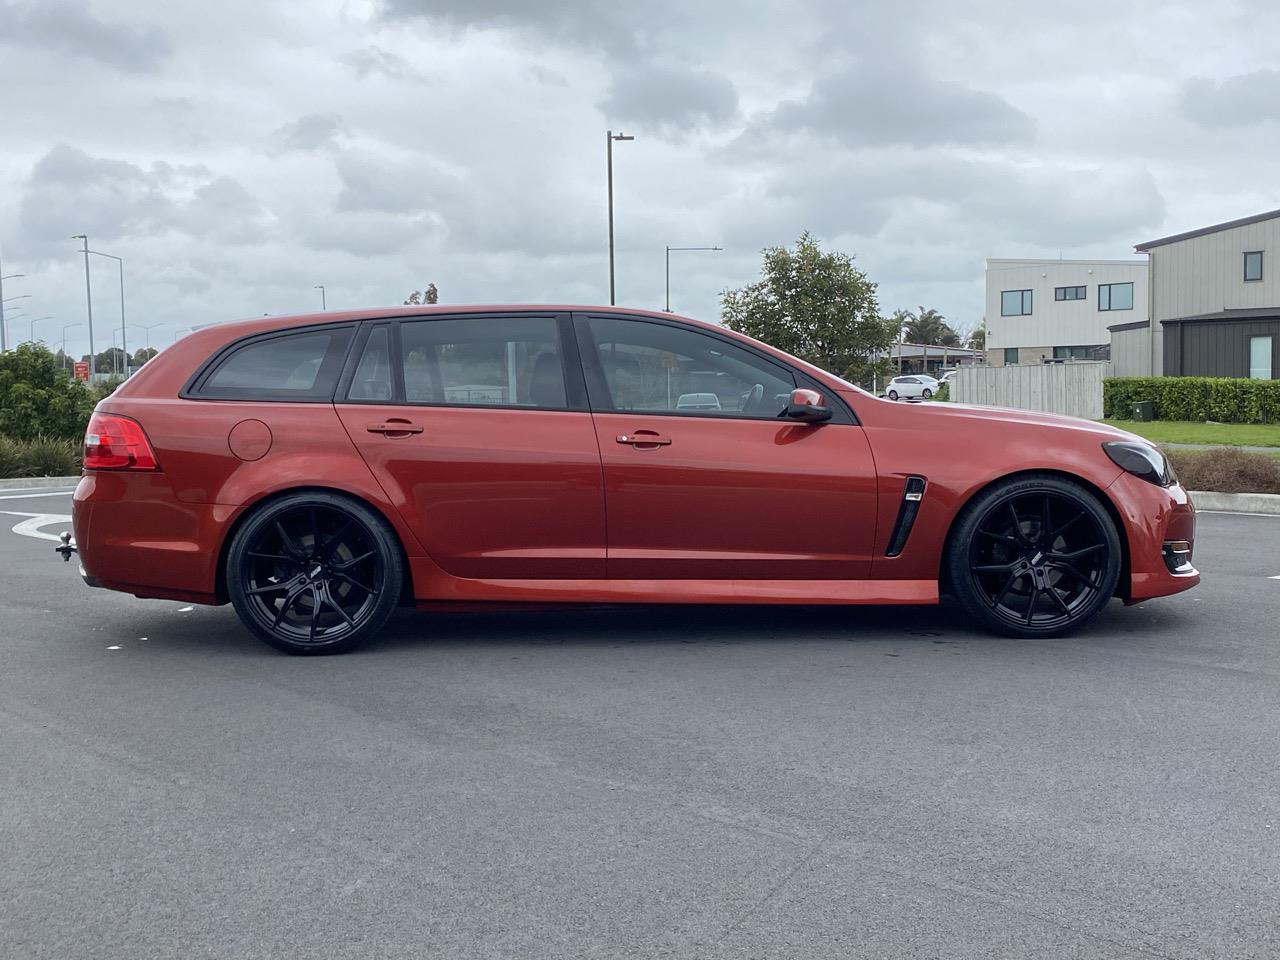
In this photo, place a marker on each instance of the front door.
(478, 430)
(702, 478)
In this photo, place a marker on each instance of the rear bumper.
(134, 535)
(1158, 521)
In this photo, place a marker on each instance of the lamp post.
(88, 302)
(123, 344)
(62, 348)
(147, 328)
(31, 336)
(609, 140)
(679, 249)
(4, 342)
(323, 305)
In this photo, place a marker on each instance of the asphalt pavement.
(640, 782)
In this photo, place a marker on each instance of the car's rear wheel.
(314, 573)
(893, 395)
(927, 393)
(1037, 557)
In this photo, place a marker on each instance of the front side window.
(294, 366)
(1010, 355)
(1253, 265)
(1015, 303)
(1069, 293)
(1260, 358)
(484, 361)
(1115, 296)
(661, 368)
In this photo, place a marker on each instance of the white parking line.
(31, 526)
(32, 496)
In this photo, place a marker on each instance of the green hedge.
(1220, 399)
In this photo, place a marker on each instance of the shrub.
(1226, 470)
(12, 463)
(1220, 399)
(37, 398)
(41, 457)
(944, 392)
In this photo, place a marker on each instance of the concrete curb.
(1237, 502)
(39, 483)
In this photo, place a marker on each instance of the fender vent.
(912, 494)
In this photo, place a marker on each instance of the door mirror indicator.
(807, 406)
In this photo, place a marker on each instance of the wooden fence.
(1074, 388)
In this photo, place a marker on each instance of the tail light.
(113, 442)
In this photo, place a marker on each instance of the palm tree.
(928, 328)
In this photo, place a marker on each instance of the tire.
(927, 393)
(314, 573)
(1046, 576)
(893, 395)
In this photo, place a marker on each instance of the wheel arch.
(1122, 531)
(247, 510)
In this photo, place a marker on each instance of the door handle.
(394, 428)
(644, 438)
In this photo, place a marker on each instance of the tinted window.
(1068, 293)
(1253, 265)
(296, 366)
(1115, 296)
(372, 379)
(1015, 303)
(660, 368)
(484, 361)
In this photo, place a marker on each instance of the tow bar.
(67, 547)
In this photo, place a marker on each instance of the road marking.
(1277, 577)
(1238, 513)
(31, 526)
(32, 496)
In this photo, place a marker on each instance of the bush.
(1220, 399)
(944, 392)
(1226, 470)
(41, 457)
(37, 398)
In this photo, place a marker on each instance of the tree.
(37, 398)
(977, 339)
(817, 306)
(110, 360)
(928, 328)
(429, 296)
(143, 355)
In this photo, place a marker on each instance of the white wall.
(1061, 323)
(1206, 274)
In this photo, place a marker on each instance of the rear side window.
(291, 366)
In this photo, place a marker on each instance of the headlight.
(1142, 460)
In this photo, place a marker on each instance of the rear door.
(703, 480)
(478, 429)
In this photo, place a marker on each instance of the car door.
(478, 429)
(726, 489)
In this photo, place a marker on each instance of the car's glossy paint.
(495, 505)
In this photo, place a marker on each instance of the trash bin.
(1144, 410)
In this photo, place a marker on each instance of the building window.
(1015, 303)
(1070, 293)
(1071, 353)
(1115, 296)
(1010, 355)
(1253, 265)
(1260, 358)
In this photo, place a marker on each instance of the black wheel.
(1038, 557)
(927, 393)
(893, 395)
(314, 573)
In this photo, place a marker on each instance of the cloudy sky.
(237, 153)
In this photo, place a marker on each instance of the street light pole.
(323, 304)
(124, 346)
(679, 249)
(88, 302)
(610, 138)
(62, 348)
(4, 341)
(31, 336)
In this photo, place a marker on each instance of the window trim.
(575, 390)
(1026, 303)
(195, 385)
(596, 384)
(1119, 283)
(1261, 266)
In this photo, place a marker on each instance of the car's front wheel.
(927, 393)
(893, 395)
(314, 573)
(1036, 557)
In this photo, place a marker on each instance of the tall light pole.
(31, 336)
(123, 344)
(679, 249)
(88, 302)
(323, 305)
(611, 137)
(148, 328)
(62, 349)
(4, 342)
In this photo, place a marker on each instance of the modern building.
(1041, 311)
(1214, 295)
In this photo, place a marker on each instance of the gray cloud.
(1240, 101)
(70, 27)
(670, 97)
(314, 131)
(868, 104)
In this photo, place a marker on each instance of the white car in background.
(916, 386)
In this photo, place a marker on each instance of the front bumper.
(1160, 527)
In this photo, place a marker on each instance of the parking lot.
(709, 782)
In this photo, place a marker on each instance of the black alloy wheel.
(314, 573)
(1038, 557)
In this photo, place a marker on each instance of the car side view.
(318, 471)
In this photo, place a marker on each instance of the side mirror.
(807, 406)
